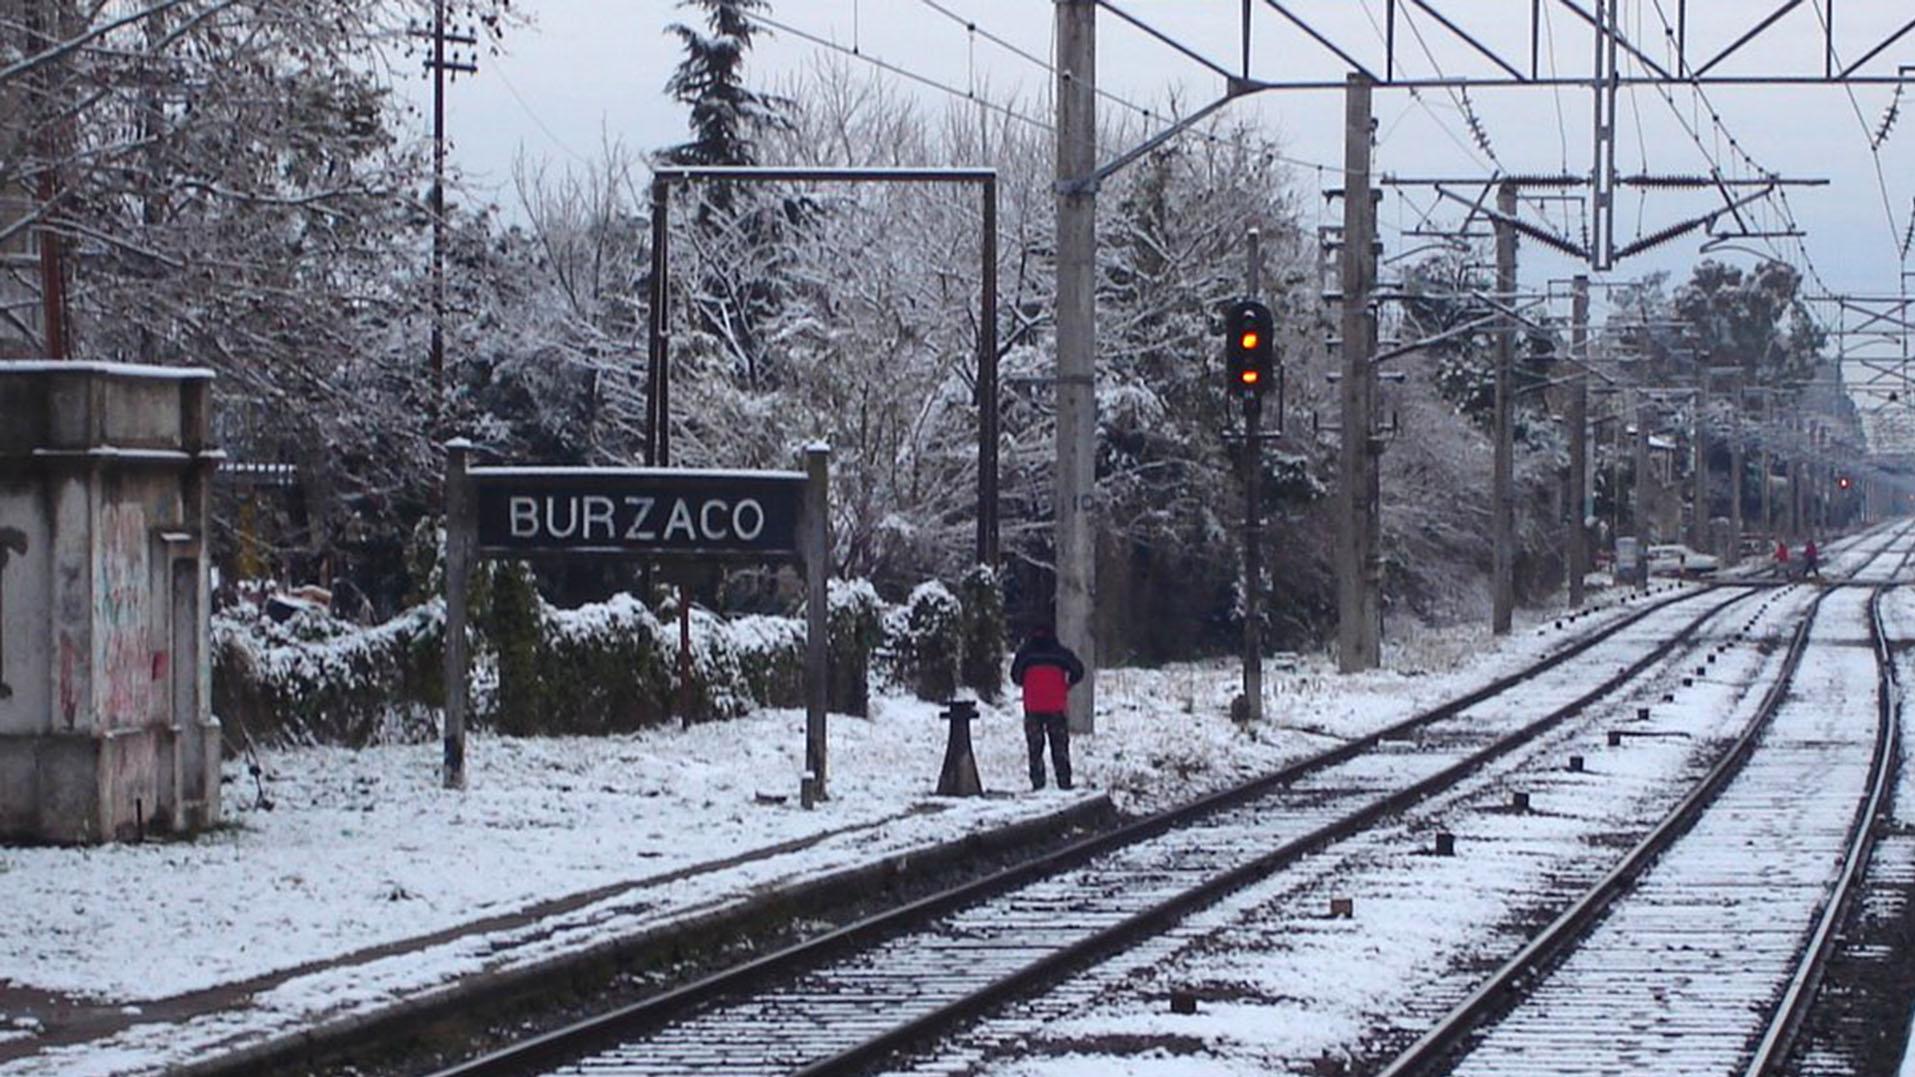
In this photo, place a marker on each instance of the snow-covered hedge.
(316, 680)
(536, 669)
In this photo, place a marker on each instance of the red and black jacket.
(1045, 669)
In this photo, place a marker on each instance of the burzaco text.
(629, 519)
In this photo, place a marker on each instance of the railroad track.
(1700, 952)
(843, 1001)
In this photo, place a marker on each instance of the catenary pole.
(1076, 343)
(1358, 564)
(1502, 498)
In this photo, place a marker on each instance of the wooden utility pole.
(441, 37)
(1252, 524)
(1577, 554)
(1077, 344)
(1358, 560)
(1502, 479)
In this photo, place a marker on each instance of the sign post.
(671, 515)
(458, 569)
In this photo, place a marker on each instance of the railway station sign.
(639, 512)
(677, 516)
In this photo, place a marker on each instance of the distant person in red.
(1781, 560)
(1811, 562)
(1045, 669)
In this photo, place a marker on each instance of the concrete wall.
(106, 730)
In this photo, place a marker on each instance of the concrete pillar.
(106, 727)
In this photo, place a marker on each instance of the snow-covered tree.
(727, 117)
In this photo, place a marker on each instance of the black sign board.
(643, 512)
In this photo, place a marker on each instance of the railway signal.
(1248, 346)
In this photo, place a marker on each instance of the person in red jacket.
(1781, 560)
(1045, 669)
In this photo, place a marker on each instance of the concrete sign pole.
(1077, 344)
(1503, 498)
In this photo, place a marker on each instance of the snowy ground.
(564, 843)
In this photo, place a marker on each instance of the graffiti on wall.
(121, 618)
(12, 541)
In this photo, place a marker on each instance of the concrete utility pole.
(1639, 488)
(1252, 525)
(1768, 468)
(1735, 472)
(1076, 552)
(1503, 497)
(1578, 544)
(1699, 519)
(1358, 549)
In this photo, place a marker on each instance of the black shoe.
(1063, 785)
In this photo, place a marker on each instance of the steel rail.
(1504, 988)
(1884, 765)
(1118, 936)
(586, 1035)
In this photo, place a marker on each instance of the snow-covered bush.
(854, 622)
(933, 624)
(603, 667)
(609, 666)
(981, 667)
(302, 683)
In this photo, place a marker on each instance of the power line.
(972, 27)
(885, 65)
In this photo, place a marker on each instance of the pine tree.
(724, 113)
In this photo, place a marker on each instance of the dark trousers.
(1054, 726)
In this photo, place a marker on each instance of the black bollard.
(959, 776)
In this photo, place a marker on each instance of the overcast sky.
(589, 71)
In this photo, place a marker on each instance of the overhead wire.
(1868, 135)
(1689, 125)
(1147, 113)
(904, 73)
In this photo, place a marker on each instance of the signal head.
(1248, 349)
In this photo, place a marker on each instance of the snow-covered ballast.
(106, 728)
